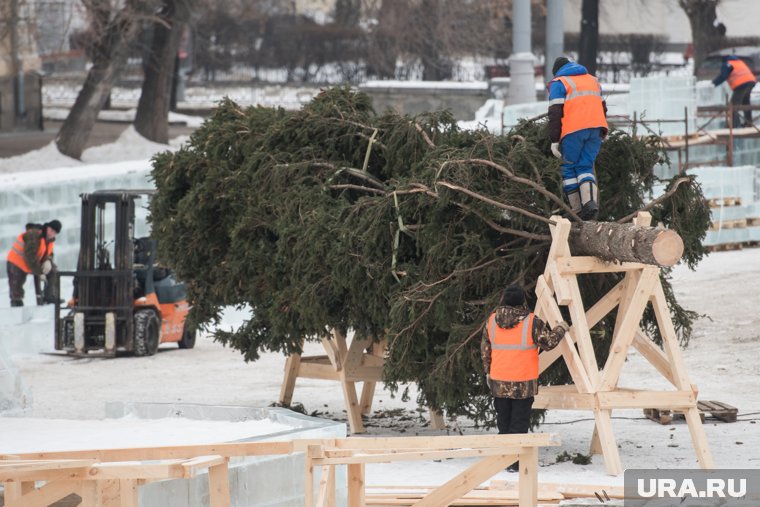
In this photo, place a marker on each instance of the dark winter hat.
(558, 63)
(514, 295)
(55, 225)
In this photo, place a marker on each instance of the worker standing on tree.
(32, 253)
(577, 125)
(741, 79)
(509, 347)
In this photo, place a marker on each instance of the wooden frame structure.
(110, 477)
(496, 451)
(99, 484)
(598, 390)
(361, 361)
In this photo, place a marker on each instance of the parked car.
(710, 67)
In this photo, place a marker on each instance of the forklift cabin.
(123, 301)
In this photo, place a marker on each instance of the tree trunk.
(109, 56)
(589, 42)
(706, 37)
(615, 242)
(152, 118)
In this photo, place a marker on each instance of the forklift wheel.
(146, 333)
(188, 339)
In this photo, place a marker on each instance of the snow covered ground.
(720, 360)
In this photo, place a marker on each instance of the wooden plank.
(562, 399)
(391, 457)
(566, 490)
(316, 370)
(582, 334)
(289, 381)
(356, 484)
(309, 481)
(368, 394)
(333, 353)
(607, 440)
(108, 493)
(170, 452)
(585, 265)
(14, 490)
(595, 448)
(699, 439)
(353, 411)
(364, 374)
(669, 338)
(193, 466)
(654, 355)
(466, 481)
(219, 485)
(432, 443)
(326, 496)
(128, 490)
(528, 483)
(643, 219)
(628, 327)
(622, 399)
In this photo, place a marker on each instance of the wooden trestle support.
(598, 390)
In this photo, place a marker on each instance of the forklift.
(124, 300)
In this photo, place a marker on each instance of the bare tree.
(114, 29)
(589, 41)
(152, 118)
(705, 35)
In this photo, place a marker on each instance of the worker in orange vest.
(509, 346)
(32, 253)
(577, 126)
(741, 79)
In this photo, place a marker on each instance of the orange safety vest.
(583, 104)
(740, 74)
(514, 356)
(16, 254)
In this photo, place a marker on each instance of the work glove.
(43, 278)
(555, 150)
(47, 266)
(71, 303)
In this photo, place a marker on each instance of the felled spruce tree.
(392, 226)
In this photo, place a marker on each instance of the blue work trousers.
(579, 150)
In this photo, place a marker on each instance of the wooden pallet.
(717, 409)
(718, 202)
(724, 247)
(729, 224)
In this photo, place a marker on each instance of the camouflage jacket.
(32, 239)
(543, 336)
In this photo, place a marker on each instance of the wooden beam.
(628, 327)
(699, 439)
(607, 441)
(654, 355)
(438, 442)
(582, 334)
(219, 485)
(391, 457)
(528, 483)
(333, 353)
(169, 452)
(624, 399)
(356, 483)
(326, 496)
(128, 491)
(586, 264)
(191, 467)
(563, 399)
(289, 381)
(466, 481)
(317, 370)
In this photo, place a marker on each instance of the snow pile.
(129, 146)
(25, 435)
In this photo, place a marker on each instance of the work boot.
(17, 302)
(589, 212)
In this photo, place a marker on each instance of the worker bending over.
(741, 79)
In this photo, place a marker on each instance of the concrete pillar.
(522, 87)
(555, 32)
